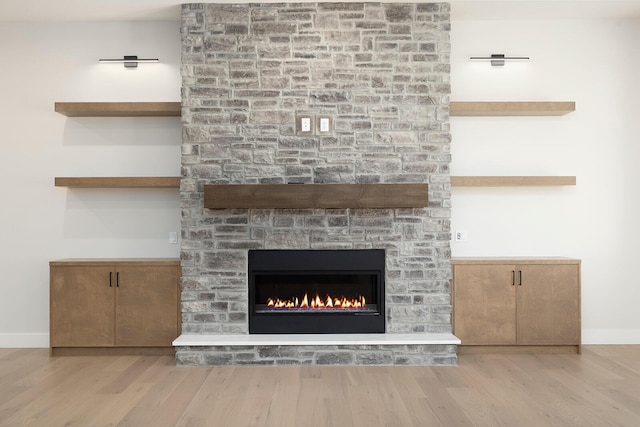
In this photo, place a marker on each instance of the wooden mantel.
(298, 196)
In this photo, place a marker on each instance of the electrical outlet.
(461, 236)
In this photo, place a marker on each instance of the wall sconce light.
(498, 59)
(130, 61)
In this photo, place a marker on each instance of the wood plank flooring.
(601, 387)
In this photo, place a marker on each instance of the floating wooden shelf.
(119, 182)
(297, 196)
(511, 181)
(119, 109)
(511, 108)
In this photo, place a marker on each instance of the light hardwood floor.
(601, 387)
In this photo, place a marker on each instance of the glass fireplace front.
(316, 291)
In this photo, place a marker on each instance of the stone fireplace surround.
(381, 72)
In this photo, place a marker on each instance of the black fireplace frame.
(347, 261)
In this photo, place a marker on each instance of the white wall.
(44, 63)
(594, 63)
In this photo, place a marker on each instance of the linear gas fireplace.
(316, 291)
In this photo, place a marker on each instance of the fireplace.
(316, 291)
(241, 132)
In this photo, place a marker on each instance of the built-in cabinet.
(516, 302)
(114, 303)
(513, 304)
(122, 304)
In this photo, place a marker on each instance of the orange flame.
(318, 303)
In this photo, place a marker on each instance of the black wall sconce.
(498, 59)
(130, 61)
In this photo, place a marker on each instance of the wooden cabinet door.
(484, 304)
(82, 302)
(146, 301)
(548, 303)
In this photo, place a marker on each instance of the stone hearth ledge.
(191, 340)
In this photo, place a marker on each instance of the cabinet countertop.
(514, 260)
(103, 261)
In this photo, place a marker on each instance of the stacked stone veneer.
(381, 72)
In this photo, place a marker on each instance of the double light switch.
(314, 125)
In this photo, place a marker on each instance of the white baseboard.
(24, 340)
(610, 336)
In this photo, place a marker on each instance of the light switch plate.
(305, 124)
(324, 125)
